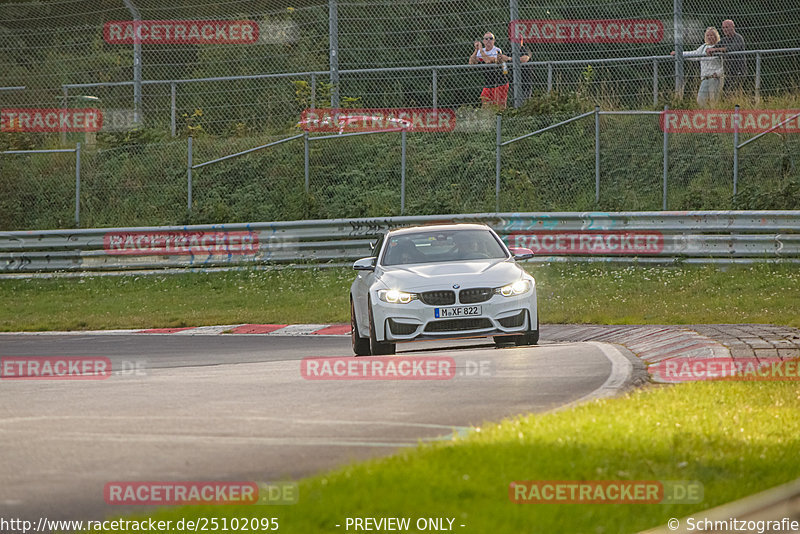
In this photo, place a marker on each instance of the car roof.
(438, 228)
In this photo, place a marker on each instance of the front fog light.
(393, 296)
(517, 288)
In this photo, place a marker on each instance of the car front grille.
(438, 298)
(456, 325)
(402, 329)
(513, 321)
(475, 295)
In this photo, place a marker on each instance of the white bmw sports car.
(441, 282)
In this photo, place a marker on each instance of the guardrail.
(699, 236)
(779, 506)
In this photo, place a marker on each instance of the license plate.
(461, 311)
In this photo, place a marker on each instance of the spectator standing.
(495, 87)
(525, 55)
(712, 74)
(735, 66)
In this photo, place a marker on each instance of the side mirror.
(365, 264)
(521, 253)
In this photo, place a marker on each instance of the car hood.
(478, 273)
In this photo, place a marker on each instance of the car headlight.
(517, 288)
(393, 296)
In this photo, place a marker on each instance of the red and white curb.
(251, 329)
(652, 344)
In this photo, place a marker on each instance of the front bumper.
(416, 320)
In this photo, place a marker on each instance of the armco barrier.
(650, 236)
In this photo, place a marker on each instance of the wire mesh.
(700, 171)
(38, 191)
(47, 44)
(453, 172)
(769, 172)
(138, 183)
(265, 185)
(631, 162)
(357, 176)
(550, 171)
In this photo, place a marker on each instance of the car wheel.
(530, 337)
(360, 344)
(377, 348)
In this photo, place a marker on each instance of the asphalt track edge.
(627, 372)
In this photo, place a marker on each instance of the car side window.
(376, 248)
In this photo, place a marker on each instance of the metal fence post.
(64, 105)
(549, 77)
(498, 140)
(173, 107)
(678, 33)
(516, 75)
(597, 154)
(666, 159)
(435, 88)
(735, 149)
(313, 91)
(758, 77)
(655, 82)
(403, 171)
(333, 41)
(137, 64)
(77, 184)
(306, 169)
(189, 176)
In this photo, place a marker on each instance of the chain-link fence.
(237, 74)
(62, 49)
(598, 160)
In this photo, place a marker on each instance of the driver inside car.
(402, 252)
(468, 248)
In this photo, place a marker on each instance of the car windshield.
(442, 246)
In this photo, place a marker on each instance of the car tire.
(360, 344)
(531, 337)
(377, 348)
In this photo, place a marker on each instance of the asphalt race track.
(186, 408)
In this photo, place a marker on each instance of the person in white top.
(712, 74)
(495, 87)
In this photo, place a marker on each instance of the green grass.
(670, 295)
(568, 293)
(139, 178)
(280, 296)
(735, 438)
